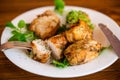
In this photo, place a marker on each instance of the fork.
(15, 44)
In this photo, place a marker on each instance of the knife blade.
(114, 41)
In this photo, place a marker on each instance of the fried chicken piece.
(80, 32)
(45, 25)
(57, 44)
(82, 51)
(41, 51)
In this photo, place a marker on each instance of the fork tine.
(15, 44)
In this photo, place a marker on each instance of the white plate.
(19, 58)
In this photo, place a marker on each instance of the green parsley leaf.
(18, 37)
(10, 25)
(60, 64)
(21, 24)
(30, 36)
(21, 32)
(65, 62)
(27, 25)
(62, 29)
(59, 6)
(15, 32)
(104, 48)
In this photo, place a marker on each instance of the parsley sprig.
(59, 6)
(61, 64)
(21, 32)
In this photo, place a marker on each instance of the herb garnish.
(21, 32)
(104, 48)
(62, 28)
(59, 6)
(74, 16)
(61, 64)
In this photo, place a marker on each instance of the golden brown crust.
(32, 25)
(43, 59)
(79, 32)
(45, 25)
(57, 44)
(40, 54)
(82, 52)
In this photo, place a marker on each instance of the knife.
(114, 41)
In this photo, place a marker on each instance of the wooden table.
(9, 9)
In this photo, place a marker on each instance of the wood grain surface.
(9, 9)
